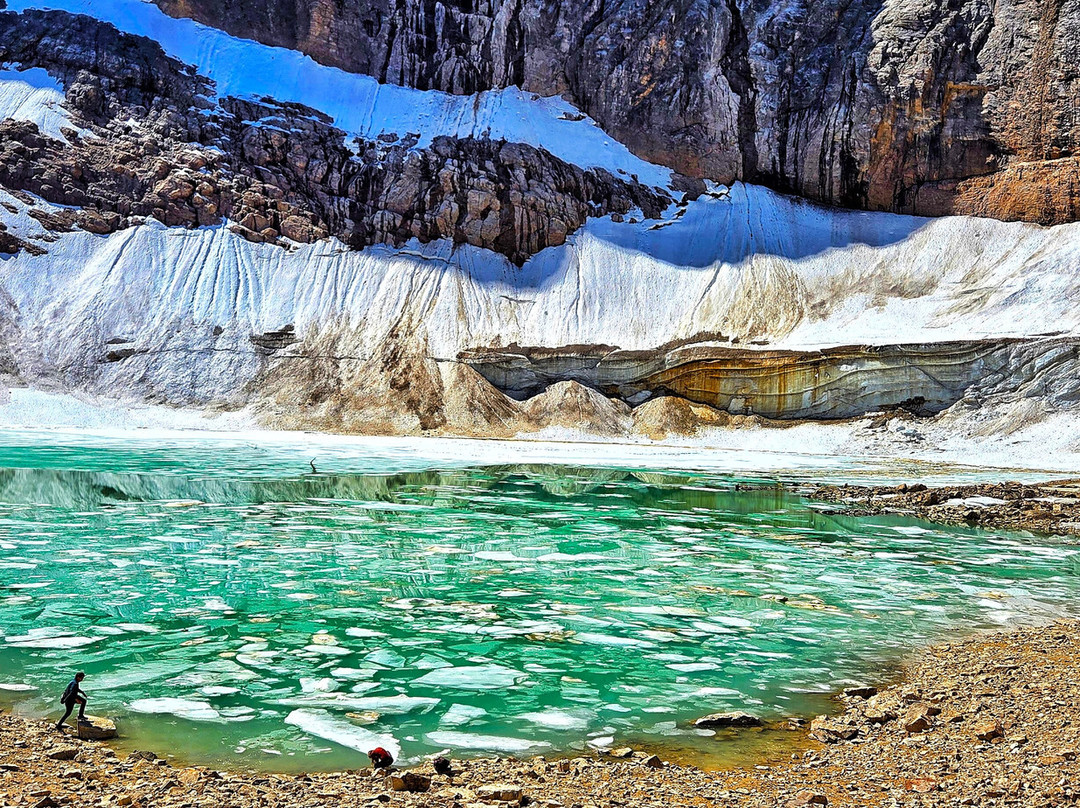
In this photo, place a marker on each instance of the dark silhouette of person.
(73, 695)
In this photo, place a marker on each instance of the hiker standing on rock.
(73, 695)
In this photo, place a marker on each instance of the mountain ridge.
(910, 106)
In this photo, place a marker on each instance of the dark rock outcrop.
(162, 150)
(920, 106)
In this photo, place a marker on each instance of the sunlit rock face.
(917, 106)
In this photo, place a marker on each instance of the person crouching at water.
(73, 695)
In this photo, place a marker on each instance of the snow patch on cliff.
(359, 104)
(33, 95)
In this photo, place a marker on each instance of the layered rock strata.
(916, 106)
(832, 383)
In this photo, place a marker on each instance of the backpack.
(70, 692)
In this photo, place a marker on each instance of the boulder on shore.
(96, 728)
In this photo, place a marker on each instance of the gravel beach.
(1052, 507)
(991, 720)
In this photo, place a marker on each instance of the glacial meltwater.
(232, 603)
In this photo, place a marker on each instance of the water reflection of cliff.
(451, 489)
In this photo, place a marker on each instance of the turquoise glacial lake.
(231, 605)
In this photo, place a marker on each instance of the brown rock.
(829, 730)
(988, 730)
(96, 728)
(411, 782)
(921, 785)
(732, 719)
(501, 792)
(805, 797)
(861, 692)
(64, 753)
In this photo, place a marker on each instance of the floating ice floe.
(484, 743)
(459, 714)
(324, 725)
(472, 677)
(214, 672)
(557, 719)
(320, 685)
(143, 628)
(139, 673)
(386, 658)
(59, 643)
(607, 639)
(181, 708)
(388, 705)
(363, 633)
(327, 650)
(16, 687)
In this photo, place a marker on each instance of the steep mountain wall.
(197, 220)
(918, 106)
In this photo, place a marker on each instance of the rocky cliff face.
(154, 146)
(920, 106)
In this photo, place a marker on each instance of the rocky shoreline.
(1052, 507)
(992, 720)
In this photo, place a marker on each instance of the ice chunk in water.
(144, 628)
(181, 708)
(16, 687)
(138, 674)
(472, 677)
(328, 650)
(386, 658)
(484, 743)
(390, 705)
(606, 639)
(459, 714)
(363, 633)
(218, 690)
(557, 719)
(323, 725)
(214, 672)
(323, 685)
(54, 642)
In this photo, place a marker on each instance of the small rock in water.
(142, 754)
(732, 719)
(95, 728)
(411, 782)
(861, 692)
